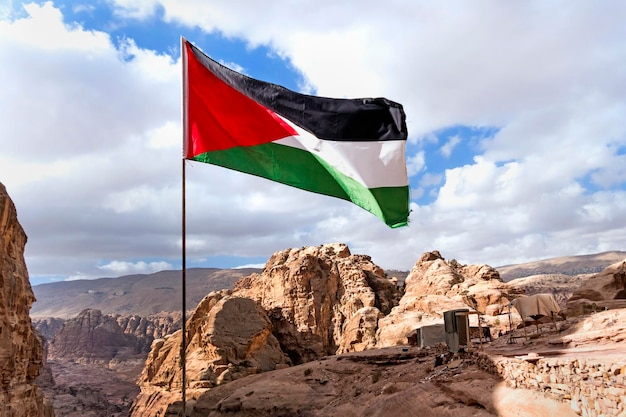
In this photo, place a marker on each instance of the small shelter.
(536, 307)
(428, 335)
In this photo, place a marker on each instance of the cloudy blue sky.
(516, 115)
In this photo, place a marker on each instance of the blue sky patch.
(447, 148)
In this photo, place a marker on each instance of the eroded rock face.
(89, 337)
(311, 293)
(21, 349)
(93, 337)
(603, 291)
(229, 337)
(434, 286)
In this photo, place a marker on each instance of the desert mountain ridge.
(141, 294)
(564, 265)
(145, 294)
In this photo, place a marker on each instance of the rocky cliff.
(322, 299)
(306, 304)
(95, 359)
(94, 337)
(603, 291)
(21, 349)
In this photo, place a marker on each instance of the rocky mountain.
(318, 332)
(348, 325)
(21, 349)
(95, 337)
(95, 358)
(309, 303)
(141, 295)
(566, 265)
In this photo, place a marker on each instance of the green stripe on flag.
(301, 169)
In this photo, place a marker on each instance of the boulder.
(229, 337)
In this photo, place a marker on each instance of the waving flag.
(353, 149)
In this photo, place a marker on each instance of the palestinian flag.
(352, 149)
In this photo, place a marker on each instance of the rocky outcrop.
(306, 304)
(48, 327)
(90, 389)
(21, 349)
(96, 337)
(313, 294)
(92, 337)
(229, 337)
(603, 291)
(434, 286)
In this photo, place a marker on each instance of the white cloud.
(415, 163)
(429, 180)
(258, 266)
(448, 147)
(119, 268)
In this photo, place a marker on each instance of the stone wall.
(592, 387)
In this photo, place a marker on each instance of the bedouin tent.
(536, 306)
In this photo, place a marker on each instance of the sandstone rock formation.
(21, 349)
(90, 389)
(95, 359)
(312, 294)
(434, 286)
(92, 337)
(229, 337)
(603, 291)
(306, 304)
(95, 337)
(310, 303)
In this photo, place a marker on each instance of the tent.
(536, 307)
(428, 335)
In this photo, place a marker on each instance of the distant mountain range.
(566, 265)
(153, 293)
(143, 294)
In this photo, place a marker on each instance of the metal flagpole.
(183, 343)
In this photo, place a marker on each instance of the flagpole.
(183, 343)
